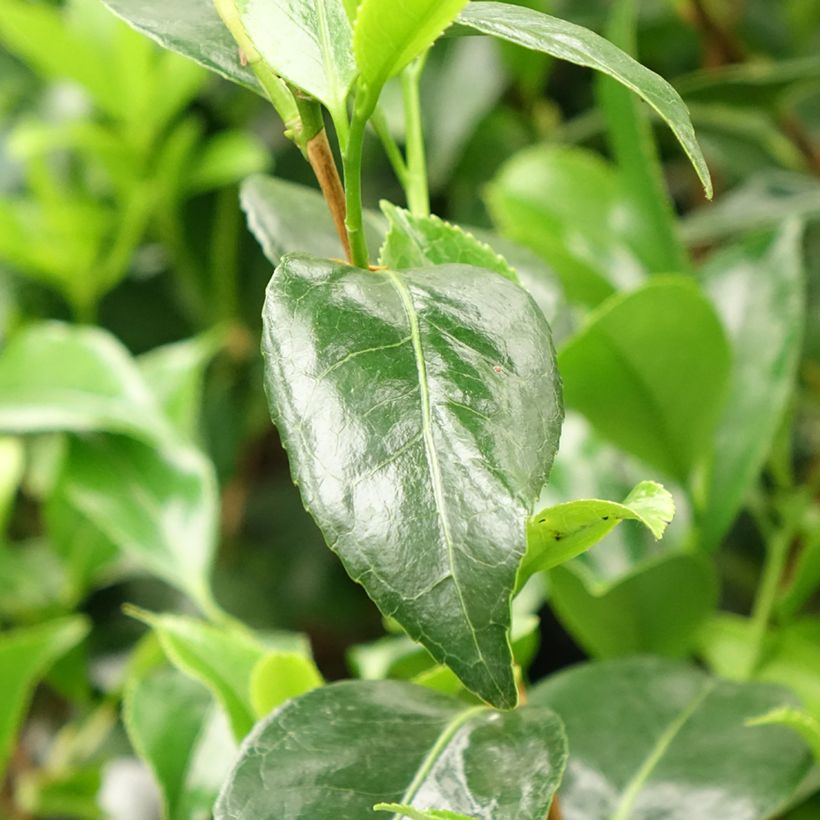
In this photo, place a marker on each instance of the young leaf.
(575, 44)
(683, 749)
(657, 607)
(758, 288)
(804, 724)
(649, 371)
(421, 412)
(559, 533)
(25, 655)
(388, 35)
(418, 241)
(335, 751)
(280, 676)
(308, 44)
(194, 30)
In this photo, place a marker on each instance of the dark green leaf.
(658, 606)
(805, 725)
(649, 371)
(578, 45)
(421, 412)
(658, 739)
(418, 241)
(758, 288)
(337, 751)
(25, 655)
(557, 534)
(193, 30)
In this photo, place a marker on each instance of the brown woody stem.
(320, 157)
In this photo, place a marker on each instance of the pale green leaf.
(280, 676)
(804, 724)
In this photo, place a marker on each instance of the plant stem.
(391, 149)
(321, 160)
(354, 221)
(555, 810)
(418, 196)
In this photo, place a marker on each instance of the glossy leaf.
(308, 44)
(416, 814)
(337, 751)
(758, 288)
(222, 659)
(649, 371)
(421, 412)
(387, 34)
(805, 725)
(25, 656)
(288, 218)
(657, 607)
(557, 534)
(565, 204)
(682, 748)
(280, 676)
(417, 241)
(193, 30)
(575, 44)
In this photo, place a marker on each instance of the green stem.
(777, 553)
(391, 148)
(225, 264)
(354, 219)
(418, 195)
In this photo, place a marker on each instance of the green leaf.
(287, 218)
(421, 412)
(416, 814)
(633, 145)
(25, 656)
(805, 725)
(159, 508)
(758, 288)
(12, 464)
(184, 738)
(557, 534)
(658, 606)
(564, 203)
(222, 659)
(387, 35)
(308, 44)
(227, 158)
(649, 371)
(280, 676)
(418, 241)
(805, 575)
(575, 44)
(337, 750)
(658, 739)
(193, 30)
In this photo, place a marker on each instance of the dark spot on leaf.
(605, 518)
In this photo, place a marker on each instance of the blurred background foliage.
(120, 166)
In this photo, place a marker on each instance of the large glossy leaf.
(661, 740)
(389, 34)
(337, 751)
(421, 411)
(416, 241)
(309, 44)
(578, 45)
(159, 508)
(25, 655)
(799, 721)
(649, 371)
(758, 288)
(193, 30)
(658, 606)
(557, 534)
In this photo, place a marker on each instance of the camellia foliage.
(577, 406)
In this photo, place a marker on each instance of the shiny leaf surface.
(415, 242)
(660, 740)
(557, 534)
(416, 814)
(191, 28)
(25, 655)
(649, 371)
(575, 44)
(804, 724)
(758, 288)
(308, 44)
(421, 412)
(389, 34)
(337, 751)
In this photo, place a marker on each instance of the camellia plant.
(410, 368)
